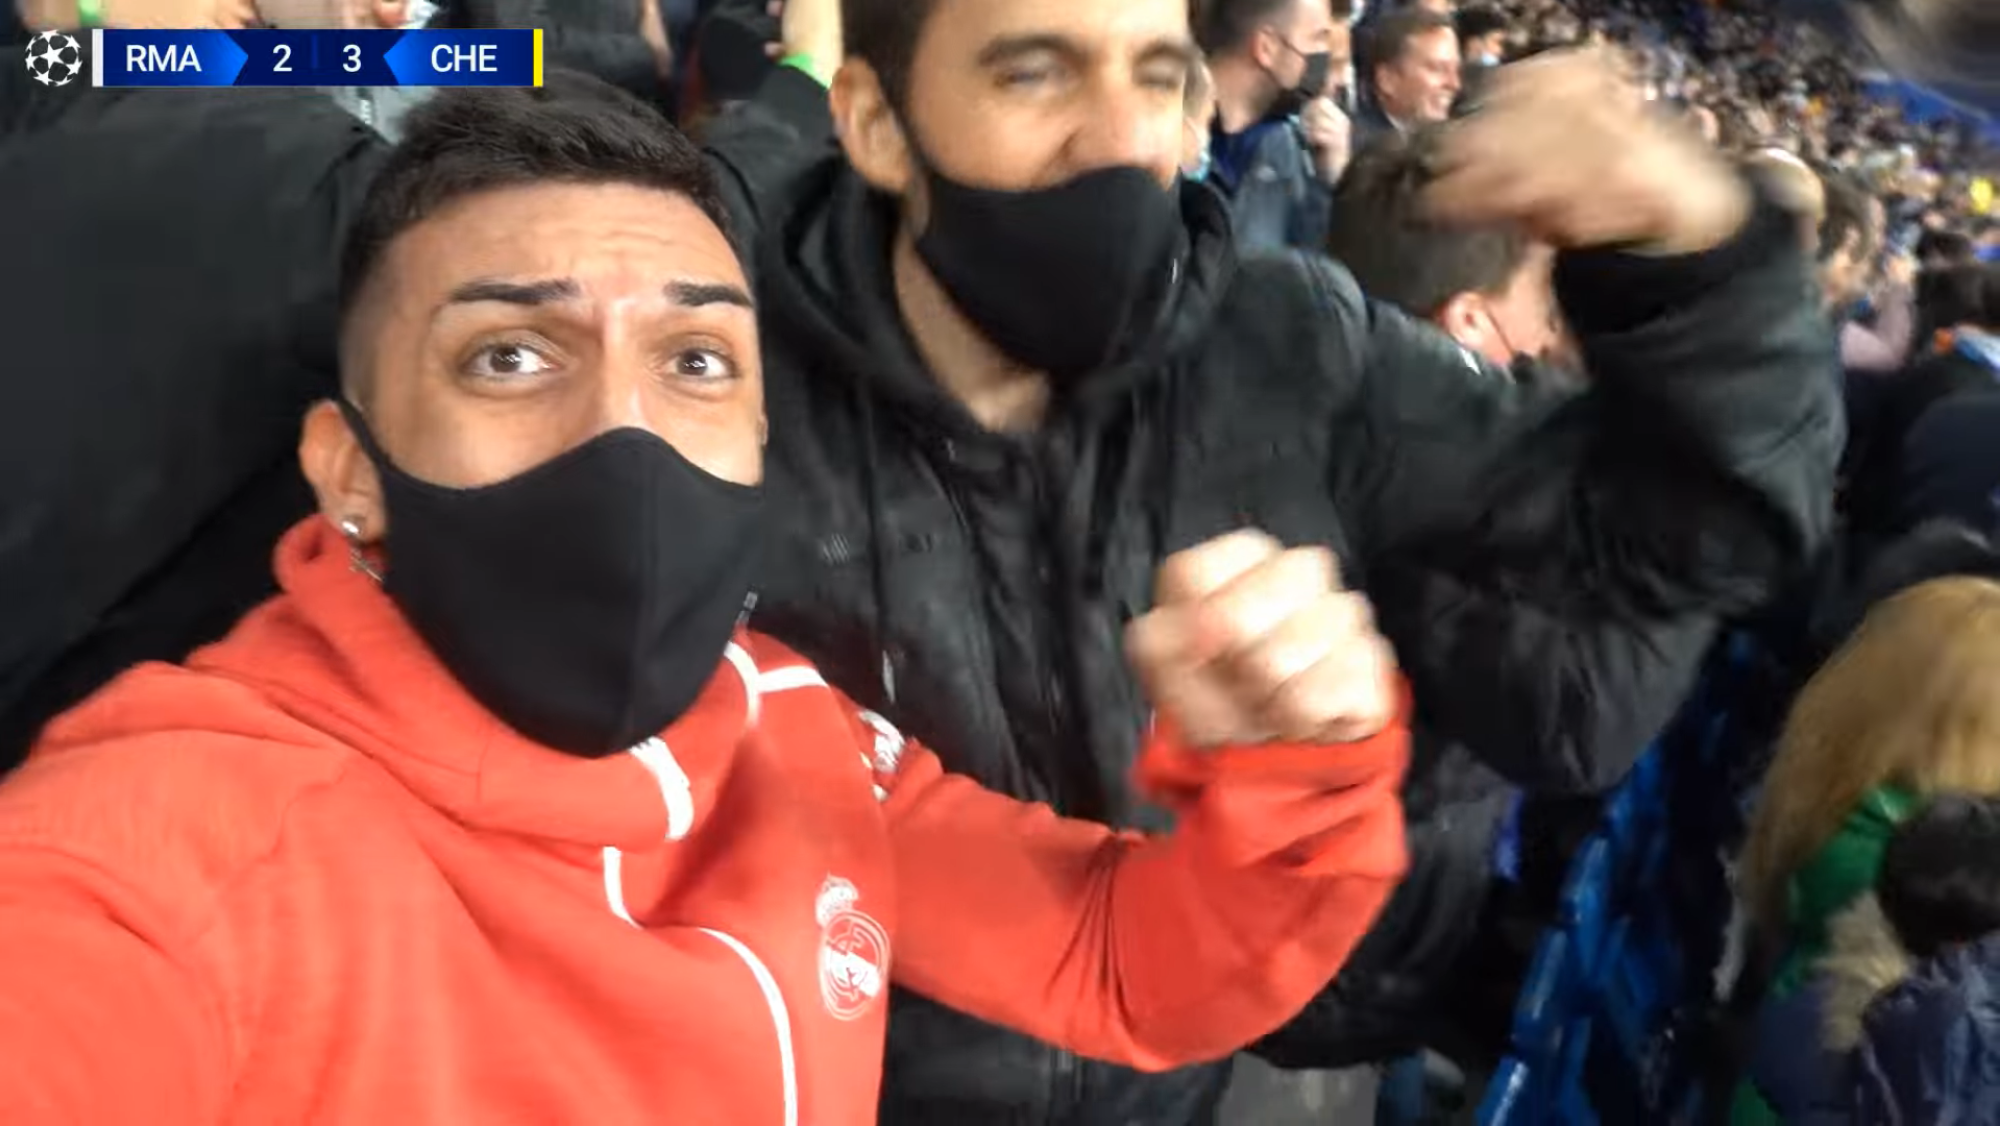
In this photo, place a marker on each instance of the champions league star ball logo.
(54, 59)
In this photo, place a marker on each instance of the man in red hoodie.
(497, 814)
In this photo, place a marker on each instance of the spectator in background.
(1907, 991)
(1915, 447)
(1482, 37)
(1916, 984)
(1904, 710)
(1491, 289)
(1844, 250)
(1482, 44)
(1940, 250)
(1280, 143)
(1413, 72)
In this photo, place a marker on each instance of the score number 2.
(352, 65)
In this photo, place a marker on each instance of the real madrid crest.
(853, 951)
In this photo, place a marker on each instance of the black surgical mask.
(1066, 280)
(585, 602)
(1311, 84)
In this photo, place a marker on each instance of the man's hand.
(653, 30)
(810, 28)
(1250, 643)
(1330, 136)
(1561, 150)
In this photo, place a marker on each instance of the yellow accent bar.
(538, 56)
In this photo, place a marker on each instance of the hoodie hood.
(334, 653)
(830, 273)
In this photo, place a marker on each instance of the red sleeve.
(97, 1024)
(1154, 952)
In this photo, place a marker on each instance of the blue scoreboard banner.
(130, 57)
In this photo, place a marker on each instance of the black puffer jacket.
(1550, 566)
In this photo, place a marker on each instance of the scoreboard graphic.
(119, 57)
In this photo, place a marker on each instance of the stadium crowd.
(936, 561)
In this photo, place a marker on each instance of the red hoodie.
(307, 878)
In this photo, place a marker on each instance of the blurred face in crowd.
(1421, 84)
(522, 322)
(1029, 94)
(1520, 320)
(1439, 7)
(1283, 48)
(1485, 50)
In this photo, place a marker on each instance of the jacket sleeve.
(767, 145)
(1550, 564)
(97, 1023)
(1153, 952)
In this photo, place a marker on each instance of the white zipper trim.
(774, 998)
(614, 883)
(746, 671)
(781, 1018)
(675, 789)
(786, 679)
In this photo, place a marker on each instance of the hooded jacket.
(307, 877)
(1783, 1078)
(1883, 1038)
(1550, 566)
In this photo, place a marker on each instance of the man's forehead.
(605, 239)
(1087, 23)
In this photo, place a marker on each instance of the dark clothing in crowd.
(1276, 198)
(1922, 447)
(1926, 1032)
(1550, 566)
(171, 299)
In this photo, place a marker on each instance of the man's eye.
(509, 361)
(1024, 77)
(703, 364)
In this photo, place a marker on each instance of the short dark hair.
(1222, 26)
(1389, 40)
(1381, 234)
(1939, 884)
(1846, 217)
(1478, 21)
(884, 34)
(575, 129)
(1950, 296)
(1952, 248)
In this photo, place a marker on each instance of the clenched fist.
(1250, 643)
(1561, 148)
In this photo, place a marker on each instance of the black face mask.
(1319, 64)
(585, 602)
(1066, 280)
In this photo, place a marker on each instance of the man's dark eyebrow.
(1008, 48)
(515, 293)
(696, 294)
(1182, 51)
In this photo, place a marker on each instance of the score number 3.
(351, 66)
